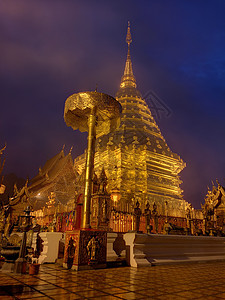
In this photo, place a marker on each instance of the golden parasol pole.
(89, 168)
(95, 113)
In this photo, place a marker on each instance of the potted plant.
(34, 266)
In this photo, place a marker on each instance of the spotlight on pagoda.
(115, 196)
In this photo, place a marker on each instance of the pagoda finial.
(128, 79)
(128, 37)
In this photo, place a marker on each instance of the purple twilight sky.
(51, 49)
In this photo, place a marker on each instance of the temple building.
(136, 158)
(55, 184)
(138, 166)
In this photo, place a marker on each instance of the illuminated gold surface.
(136, 157)
(96, 113)
(128, 79)
(89, 168)
(78, 108)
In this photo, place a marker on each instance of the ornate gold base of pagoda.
(85, 249)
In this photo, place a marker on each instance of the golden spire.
(128, 79)
(128, 37)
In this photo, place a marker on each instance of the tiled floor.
(186, 281)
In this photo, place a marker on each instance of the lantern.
(115, 196)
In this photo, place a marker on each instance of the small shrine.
(214, 210)
(100, 203)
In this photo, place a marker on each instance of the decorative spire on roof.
(128, 37)
(71, 150)
(128, 79)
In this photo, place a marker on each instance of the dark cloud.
(51, 49)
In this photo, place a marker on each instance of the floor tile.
(91, 293)
(56, 292)
(29, 295)
(68, 297)
(130, 296)
(7, 297)
(108, 297)
(114, 290)
(202, 281)
(75, 289)
(37, 298)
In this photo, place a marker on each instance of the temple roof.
(57, 175)
(49, 170)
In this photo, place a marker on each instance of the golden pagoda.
(136, 158)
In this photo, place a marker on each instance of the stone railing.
(157, 249)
